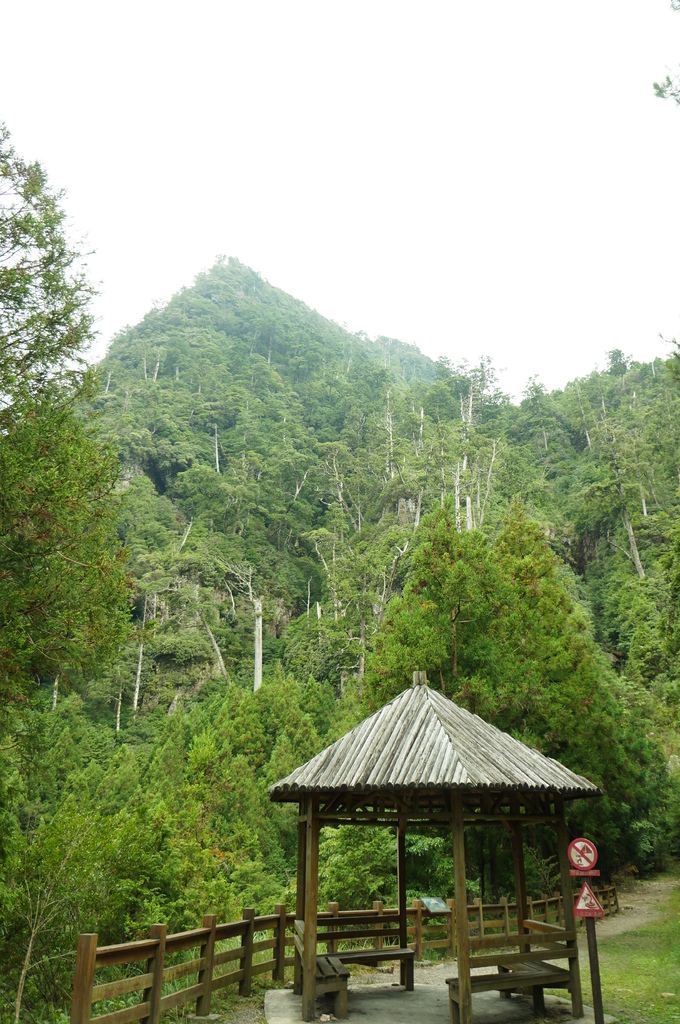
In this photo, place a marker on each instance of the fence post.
(451, 921)
(530, 908)
(418, 929)
(205, 976)
(560, 913)
(480, 916)
(506, 916)
(609, 901)
(83, 981)
(616, 899)
(247, 959)
(154, 965)
(332, 945)
(378, 907)
(280, 936)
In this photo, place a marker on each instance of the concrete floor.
(427, 1004)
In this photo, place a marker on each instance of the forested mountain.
(370, 512)
(266, 449)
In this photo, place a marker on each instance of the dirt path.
(640, 903)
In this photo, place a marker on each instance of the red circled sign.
(582, 854)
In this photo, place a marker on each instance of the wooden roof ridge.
(423, 740)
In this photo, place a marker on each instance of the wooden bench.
(336, 932)
(527, 970)
(371, 957)
(332, 976)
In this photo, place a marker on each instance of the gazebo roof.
(421, 740)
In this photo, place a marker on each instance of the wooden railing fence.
(235, 953)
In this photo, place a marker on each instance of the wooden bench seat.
(528, 970)
(513, 975)
(332, 976)
(370, 957)
(534, 975)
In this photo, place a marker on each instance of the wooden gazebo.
(423, 760)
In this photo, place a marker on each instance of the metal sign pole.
(583, 856)
(594, 970)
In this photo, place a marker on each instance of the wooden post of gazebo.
(460, 897)
(300, 898)
(311, 886)
(568, 905)
(401, 893)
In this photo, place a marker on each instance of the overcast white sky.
(477, 178)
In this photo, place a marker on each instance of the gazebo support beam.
(311, 898)
(520, 879)
(460, 896)
(401, 892)
(568, 907)
(300, 899)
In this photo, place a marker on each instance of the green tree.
(63, 583)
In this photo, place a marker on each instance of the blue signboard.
(434, 905)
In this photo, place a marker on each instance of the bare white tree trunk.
(418, 507)
(389, 462)
(257, 605)
(642, 496)
(108, 381)
(422, 414)
(634, 553)
(443, 487)
(137, 681)
(488, 483)
(186, 534)
(578, 392)
(218, 654)
(309, 595)
(468, 507)
(217, 457)
(458, 496)
(55, 691)
(120, 701)
(145, 377)
(155, 372)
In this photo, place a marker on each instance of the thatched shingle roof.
(422, 740)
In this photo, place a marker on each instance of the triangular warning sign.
(587, 904)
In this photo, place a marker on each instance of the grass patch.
(636, 967)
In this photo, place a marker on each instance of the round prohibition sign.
(582, 854)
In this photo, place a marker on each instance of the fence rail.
(236, 952)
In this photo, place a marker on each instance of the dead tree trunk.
(55, 691)
(418, 507)
(488, 483)
(218, 653)
(458, 497)
(257, 605)
(634, 553)
(137, 681)
(217, 457)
